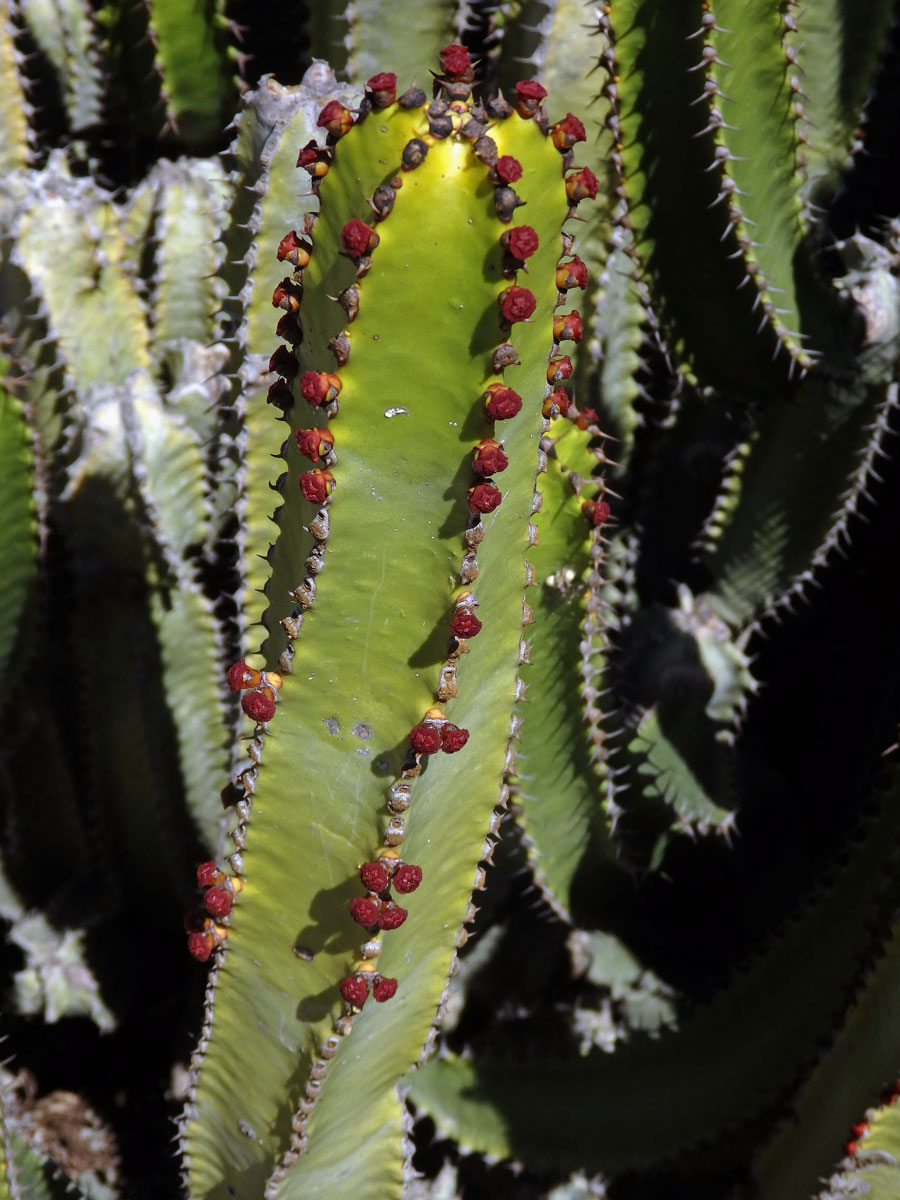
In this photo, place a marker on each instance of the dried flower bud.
(280, 395)
(283, 362)
(413, 98)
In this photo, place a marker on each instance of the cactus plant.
(430, 597)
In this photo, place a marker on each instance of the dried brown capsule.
(504, 356)
(284, 363)
(413, 155)
(349, 301)
(381, 89)
(287, 295)
(485, 148)
(340, 348)
(413, 98)
(383, 200)
(506, 201)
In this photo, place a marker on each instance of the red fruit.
(556, 404)
(567, 132)
(529, 95)
(383, 989)
(208, 874)
(259, 706)
(587, 416)
(314, 443)
(355, 990)
(559, 369)
(217, 901)
(291, 248)
(453, 738)
(364, 911)
(489, 458)
(517, 303)
(241, 676)
(465, 625)
(502, 402)
(521, 242)
(407, 878)
(287, 296)
(568, 327)
(507, 168)
(315, 159)
(382, 88)
(319, 386)
(455, 60)
(374, 876)
(283, 363)
(392, 915)
(582, 185)
(358, 238)
(571, 275)
(335, 118)
(484, 497)
(425, 739)
(317, 485)
(200, 945)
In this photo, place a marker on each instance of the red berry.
(484, 497)
(489, 458)
(465, 625)
(208, 874)
(217, 901)
(318, 387)
(317, 485)
(521, 242)
(200, 945)
(425, 739)
(382, 88)
(567, 132)
(287, 295)
(557, 404)
(383, 989)
(559, 368)
(314, 443)
(586, 417)
(507, 168)
(502, 402)
(315, 159)
(283, 363)
(335, 118)
(259, 706)
(517, 303)
(582, 185)
(291, 248)
(374, 876)
(358, 238)
(407, 878)
(568, 327)
(455, 60)
(597, 511)
(364, 911)
(571, 274)
(392, 915)
(355, 990)
(241, 676)
(529, 95)
(453, 738)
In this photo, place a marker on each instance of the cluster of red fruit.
(204, 925)
(259, 688)
(376, 910)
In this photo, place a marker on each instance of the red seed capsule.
(217, 901)
(208, 874)
(586, 417)
(383, 989)
(392, 915)
(484, 497)
(517, 303)
(335, 118)
(573, 274)
(364, 911)
(521, 242)
(556, 404)
(425, 738)
(293, 249)
(407, 878)
(489, 458)
(559, 369)
(382, 89)
(315, 159)
(465, 625)
(314, 443)
(529, 94)
(507, 168)
(455, 60)
(568, 327)
(259, 706)
(502, 402)
(358, 238)
(453, 738)
(582, 185)
(241, 676)
(201, 945)
(319, 387)
(317, 485)
(355, 990)
(283, 363)
(567, 132)
(287, 295)
(374, 876)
